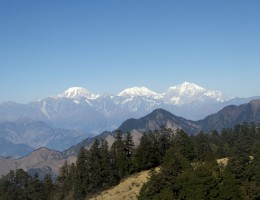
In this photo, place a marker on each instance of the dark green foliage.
(217, 145)
(188, 168)
(105, 165)
(119, 157)
(183, 143)
(229, 188)
(18, 185)
(202, 147)
(163, 184)
(98, 167)
(147, 153)
(129, 145)
(48, 186)
(240, 179)
(198, 183)
(129, 151)
(63, 181)
(80, 176)
(256, 151)
(153, 186)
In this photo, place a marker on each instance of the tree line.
(188, 167)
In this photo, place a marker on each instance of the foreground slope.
(127, 189)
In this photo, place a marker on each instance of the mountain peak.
(138, 91)
(76, 93)
(190, 92)
(186, 88)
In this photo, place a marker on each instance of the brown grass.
(128, 189)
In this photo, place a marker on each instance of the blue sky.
(106, 46)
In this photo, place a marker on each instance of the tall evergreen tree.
(62, 182)
(182, 143)
(147, 153)
(162, 185)
(118, 156)
(80, 176)
(129, 150)
(48, 187)
(202, 147)
(94, 167)
(229, 188)
(106, 168)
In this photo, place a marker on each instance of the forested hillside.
(188, 167)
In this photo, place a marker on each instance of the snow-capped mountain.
(139, 92)
(86, 112)
(78, 108)
(77, 93)
(187, 93)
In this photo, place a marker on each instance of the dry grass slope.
(128, 189)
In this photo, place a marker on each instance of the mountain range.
(48, 161)
(228, 117)
(77, 108)
(60, 121)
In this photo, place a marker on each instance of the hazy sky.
(106, 46)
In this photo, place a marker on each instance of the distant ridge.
(231, 115)
(159, 118)
(47, 161)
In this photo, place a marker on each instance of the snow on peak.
(189, 92)
(138, 91)
(76, 93)
(186, 88)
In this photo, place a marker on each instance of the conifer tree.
(118, 156)
(106, 171)
(202, 147)
(184, 145)
(80, 177)
(129, 145)
(36, 188)
(129, 150)
(94, 167)
(229, 188)
(64, 186)
(48, 186)
(147, 153)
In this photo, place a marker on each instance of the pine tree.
(129, 150)
(80, 177)
(163, 185)
(129, 145)
(163, 138)
(147, 153)
(229, 188)
(106, 169)
(202, 147)
(64, 186)
(36, 188)
(48, 186)
(182, 143)
(94, 167)
(118, 157)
